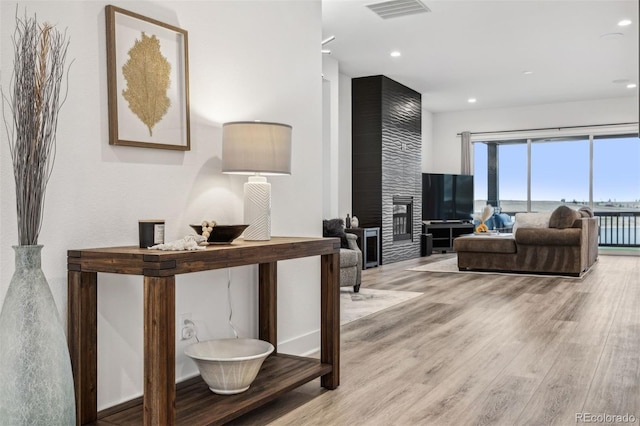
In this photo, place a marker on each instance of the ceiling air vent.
(398, 8)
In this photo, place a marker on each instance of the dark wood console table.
(193, 403)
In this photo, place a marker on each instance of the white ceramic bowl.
(229, 366)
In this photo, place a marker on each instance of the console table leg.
(330, 319)
(159, 351)
(82, 335)
(268, 303)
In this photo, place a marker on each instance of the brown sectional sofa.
(567, 245)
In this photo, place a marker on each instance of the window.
(559, 174)
(616, 174)
(512, 177)
(542, 173)
(480, 187)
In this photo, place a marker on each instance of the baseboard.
(304, 345)
(619, 251)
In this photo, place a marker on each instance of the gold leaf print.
(147, 73)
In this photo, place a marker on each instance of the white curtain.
(465, 167)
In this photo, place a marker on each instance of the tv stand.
(444, 232)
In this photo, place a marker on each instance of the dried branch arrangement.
(34, 102)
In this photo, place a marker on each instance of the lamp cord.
(235, 332)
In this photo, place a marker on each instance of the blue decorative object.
(503, 222)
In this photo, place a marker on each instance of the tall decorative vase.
(36, 382)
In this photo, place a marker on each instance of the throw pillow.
(531, 220)
(585, 211)
(563, 217)
(335, 228)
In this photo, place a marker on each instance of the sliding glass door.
(602, 172)
(616, 173)
(559, 173)
(616, 190)
(480, 183)
(541, 174)
(512, 176)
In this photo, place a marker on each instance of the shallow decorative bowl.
(229, 366)
(222, 234)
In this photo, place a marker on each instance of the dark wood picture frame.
(135, 119)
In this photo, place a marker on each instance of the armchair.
(351, 264)
(350, 254)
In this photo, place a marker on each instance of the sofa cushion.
(563, 217)
(585, 211)
(531, 220)
(482, 244)
(549, 236)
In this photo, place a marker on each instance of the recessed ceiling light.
(471, 100)
(624, 23)
(631, 86)
(621, 81)
(328, 39)
(395, 54)
(527, 72)
(611, 36)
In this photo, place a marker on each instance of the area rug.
(450, 265)
(369, 301)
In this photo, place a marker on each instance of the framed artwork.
(148, 82)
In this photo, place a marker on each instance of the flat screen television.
(447, 197)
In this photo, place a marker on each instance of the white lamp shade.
(250, 147)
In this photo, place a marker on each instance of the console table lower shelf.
(279, 374)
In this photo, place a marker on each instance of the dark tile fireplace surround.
(387, 180)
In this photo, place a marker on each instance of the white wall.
(427, 139)
(248, 60)
(344, 172)
(336, 140)
(330, 136)
(442, 152)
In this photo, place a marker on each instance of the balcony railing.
(619, 229)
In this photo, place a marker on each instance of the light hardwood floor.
(483, 350)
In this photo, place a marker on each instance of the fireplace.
(402, 218)
(386, 161)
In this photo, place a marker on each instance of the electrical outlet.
(186, 331)
(182, 317)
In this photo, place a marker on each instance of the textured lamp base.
(257, 209)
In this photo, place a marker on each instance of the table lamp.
(258, 149)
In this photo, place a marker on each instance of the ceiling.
(480, 49)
